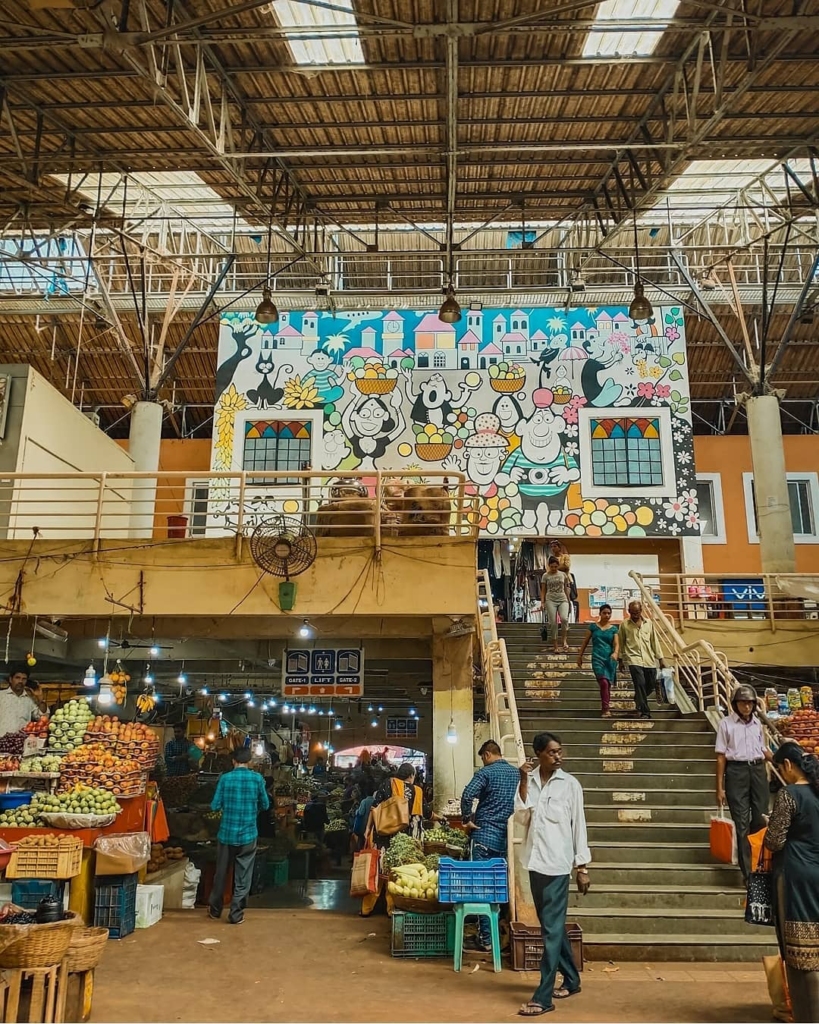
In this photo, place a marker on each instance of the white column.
(773, 508)
(144, 439)
(453, 763)
(691, 556)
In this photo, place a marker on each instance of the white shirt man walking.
(556, 843)
(640, 650)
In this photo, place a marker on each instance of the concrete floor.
(309, 964)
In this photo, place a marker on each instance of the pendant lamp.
(266, 312)
(640, 308)
(450, 311)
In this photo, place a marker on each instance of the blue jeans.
(481, 852)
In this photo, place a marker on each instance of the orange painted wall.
(731, 457)
(191, 456)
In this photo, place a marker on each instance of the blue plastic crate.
(473, 881)
(115, 904)
(28, 892)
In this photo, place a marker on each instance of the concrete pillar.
(691, 556)
(773, 508)
(453, 763)
(144, 439)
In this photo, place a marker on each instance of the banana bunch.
(145, 702)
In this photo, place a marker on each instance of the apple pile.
(803, 727)
(38, 728)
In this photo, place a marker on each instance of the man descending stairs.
(656, 892)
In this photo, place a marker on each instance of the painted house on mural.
(563, 424)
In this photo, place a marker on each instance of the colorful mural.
(571, 422)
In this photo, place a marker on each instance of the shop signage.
(323, 672)
(402, 728)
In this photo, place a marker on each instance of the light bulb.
(182, 678)
(302, 710)
(148, 677)
(330, 712)
(157, 697)
(223, 697)
(259, 749)
(304, 629)
(90, 676)
(272, 703)
(412, 712)
(102, 642)
(380, 709)
(211, 736)
(370, 707)
(338, 725)
(451, 732)
(251, 703)
(204, 691)
(154, 651)
(321, 711)
(248, 694)
(200, 742)
(374, 722)
(319, 746)
(311, 710)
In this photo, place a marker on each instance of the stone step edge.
(641, 939)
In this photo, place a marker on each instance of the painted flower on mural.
(683, 458)
(677, 509)
(674, 528)
(230, 402)
(571, 430)
(621, 341)
(570, 411)
(692, 519)
(672, 333)
(645, 389)
(691, 498)
(601, 519)
(298, 395)
(572, 448)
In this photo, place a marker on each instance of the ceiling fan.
(131, 645)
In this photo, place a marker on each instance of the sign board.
(323, 672)
(402, 728)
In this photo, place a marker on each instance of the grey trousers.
(748, 796)
(804, 990)
(242, 858)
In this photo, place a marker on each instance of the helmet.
(744, 692)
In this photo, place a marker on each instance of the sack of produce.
(122, 854)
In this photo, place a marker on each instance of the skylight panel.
(652, 17)
(301, 17)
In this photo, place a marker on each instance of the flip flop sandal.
(564, 993)
(538, 1010)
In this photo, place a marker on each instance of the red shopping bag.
(723, 839)
(364, 879)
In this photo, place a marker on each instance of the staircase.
(656, 892)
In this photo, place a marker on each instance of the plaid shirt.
(494, 787)
(173, 750)
(240, 795)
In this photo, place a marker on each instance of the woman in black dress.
(793, 835)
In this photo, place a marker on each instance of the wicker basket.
(416, 906)
(36, 945)
(507, 387)
(375, 385)
(432, 452)
(86, 948)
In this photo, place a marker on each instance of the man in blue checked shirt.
(240, 795)
(494, 787)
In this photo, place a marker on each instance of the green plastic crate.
(423, 935)
(278, 872)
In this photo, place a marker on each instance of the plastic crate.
(527, 945)
(28, 893)
(278, 872)
(473, 881)
(422, 935)
(115, 904)
(45, 862)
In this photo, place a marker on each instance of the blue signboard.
(323, 672)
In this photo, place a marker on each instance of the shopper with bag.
(555, 596)
(742, 781)
(793, 836)
(399, 806)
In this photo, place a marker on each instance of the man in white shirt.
(18, 704)
(556, 843)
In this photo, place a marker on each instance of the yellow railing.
(738, 597)
(499, 691)
(181, 504)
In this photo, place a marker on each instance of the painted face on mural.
(540, 435)
(372, 418)
(509, 412)
(485, 450)
(319, 360)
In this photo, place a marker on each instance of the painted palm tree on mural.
(336, 346)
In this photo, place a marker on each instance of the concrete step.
(649, 832)
(554, 711)
(650, 921)
(701, 948)
(684, 729)
(639, 765)
(684, 814)
(622, 851)
(631, 749)
(612, 897)
(630, 793)
(648, 783)
(661, 875)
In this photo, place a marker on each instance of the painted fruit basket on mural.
(561, 395)
(375, 385)
(432, 452)
(507, 378)
(373, 378)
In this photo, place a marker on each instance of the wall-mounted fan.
(283, 546)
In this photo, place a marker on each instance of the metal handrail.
(692, 659)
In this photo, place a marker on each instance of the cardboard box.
(149, 902)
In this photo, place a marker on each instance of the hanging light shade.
(640, 308)
(450, 311)
(266, 312)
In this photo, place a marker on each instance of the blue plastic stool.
(490, 910)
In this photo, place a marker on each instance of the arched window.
(439, 360)
(626, 452)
